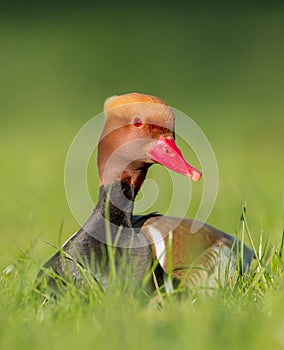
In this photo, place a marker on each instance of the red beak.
(166, 152)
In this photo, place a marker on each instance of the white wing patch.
(159, 243)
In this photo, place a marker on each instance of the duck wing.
(194, 257)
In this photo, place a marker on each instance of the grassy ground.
(221, 67)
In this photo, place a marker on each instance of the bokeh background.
(220, 63)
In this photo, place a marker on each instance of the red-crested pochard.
(139, 132)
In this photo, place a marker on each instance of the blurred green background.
(222, 64)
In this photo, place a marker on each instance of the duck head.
(138, 132)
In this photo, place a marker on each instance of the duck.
(138, 133)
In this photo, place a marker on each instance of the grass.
(223, 68)
(246, 313)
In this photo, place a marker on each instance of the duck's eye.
(137, 122)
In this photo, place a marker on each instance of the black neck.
(116, 202)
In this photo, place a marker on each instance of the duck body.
(88, 248)
(139, 132)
